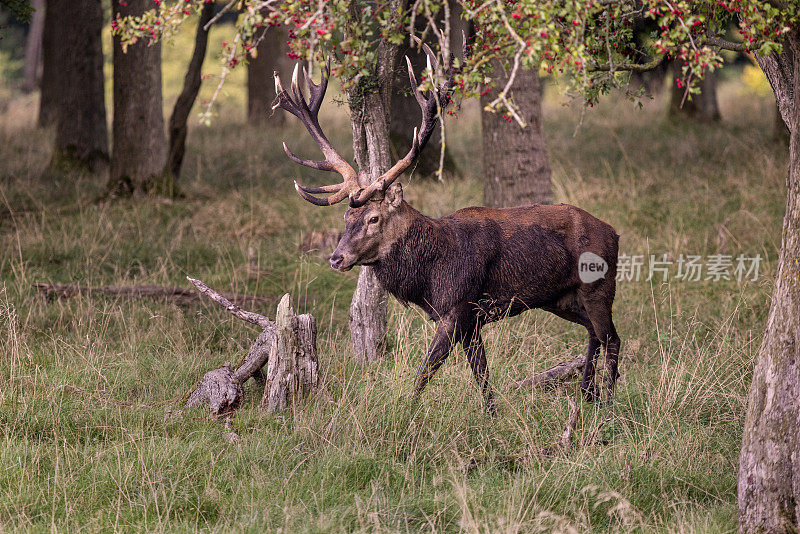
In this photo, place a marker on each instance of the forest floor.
(355, 457)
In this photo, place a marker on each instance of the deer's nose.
(336, 260)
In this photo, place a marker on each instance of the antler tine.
(299, 99)
(284, 101)
(319, 165)
(333, 188)
(317, 90)
(433, 63)
(414, 86)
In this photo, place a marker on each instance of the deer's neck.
(404, 271)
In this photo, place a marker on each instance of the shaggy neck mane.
(404, 271)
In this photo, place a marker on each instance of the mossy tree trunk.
(80, 117)
(769, 465)
(140, 148)
(516, 169)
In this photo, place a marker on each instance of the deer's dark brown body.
(473, 267)
(480, 265)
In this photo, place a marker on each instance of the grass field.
(357, 457)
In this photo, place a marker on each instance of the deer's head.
(375, 219)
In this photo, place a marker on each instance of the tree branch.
(632, 67)
(724, 44)
(250, 317)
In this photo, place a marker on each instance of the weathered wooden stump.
(292, 373)
(287, 348)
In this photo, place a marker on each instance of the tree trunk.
(191, 86)
(270, 57)
(140, 148)
(52, 64)
(33, 47)
(516, 170)
(369, 104)
(702, 106)
(769, 465)
(287, 347)
(81, 130)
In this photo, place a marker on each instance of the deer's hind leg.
(570, 308)
(598, 306)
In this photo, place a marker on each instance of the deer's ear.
(394, 195)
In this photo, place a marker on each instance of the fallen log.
(555, 375)
(177, 295)
(288, 347)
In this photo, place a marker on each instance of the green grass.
(357, 457)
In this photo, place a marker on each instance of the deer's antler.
(308, 113)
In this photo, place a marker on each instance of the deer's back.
(534, 253)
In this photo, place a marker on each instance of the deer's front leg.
(437, 354)
(476, 356)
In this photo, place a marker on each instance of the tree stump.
(292, 375)
(287, 348)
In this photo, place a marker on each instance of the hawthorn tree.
(589, 46)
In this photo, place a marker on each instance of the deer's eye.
(373, 220)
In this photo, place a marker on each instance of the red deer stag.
(475, 266)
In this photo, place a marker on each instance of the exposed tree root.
(555, 375)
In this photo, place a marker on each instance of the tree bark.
(703, 106)
(81, 130)
(270, 57)
(769, 465)
(369, 103)
(780, 132)
(516, 169)
(52, 64)
(140, 148)
(191, 86)
(33, 47)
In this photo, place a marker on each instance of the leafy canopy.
(590, 46)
